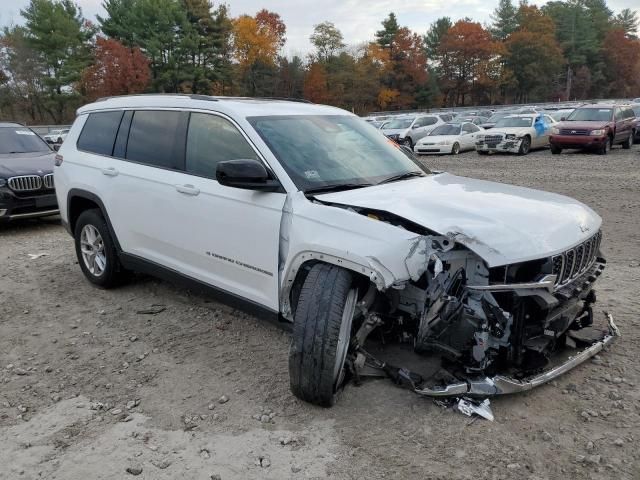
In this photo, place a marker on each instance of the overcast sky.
(357, 19)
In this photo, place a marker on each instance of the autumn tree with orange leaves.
(470, 65)
(623, 63)
(117, 70)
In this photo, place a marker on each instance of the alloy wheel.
(92, 248)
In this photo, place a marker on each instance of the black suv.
(26, 174)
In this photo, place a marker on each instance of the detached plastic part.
(470, 407)
(502, 385)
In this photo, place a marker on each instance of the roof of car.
(10, 124)
(241, 106)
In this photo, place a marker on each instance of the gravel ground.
(92, 388)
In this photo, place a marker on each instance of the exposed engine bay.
(496, 330)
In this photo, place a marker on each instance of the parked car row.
(595, 127)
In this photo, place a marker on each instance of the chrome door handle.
(188, 189)
(110, 172)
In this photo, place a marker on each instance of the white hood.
(513, 130)
(439, 138)
(501, 223)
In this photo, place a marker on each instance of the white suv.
(307, 214)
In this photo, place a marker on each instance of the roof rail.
(210, 98)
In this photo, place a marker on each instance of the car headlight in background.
(598, 132)
(555, 131)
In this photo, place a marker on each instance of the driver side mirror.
(56, 146)
(562, 119)
(248, 174)
(415, 126)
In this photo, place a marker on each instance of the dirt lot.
(75, 361)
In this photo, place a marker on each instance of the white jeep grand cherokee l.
(307, 214)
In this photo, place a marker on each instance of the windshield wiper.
(402, 176)
(336, 188)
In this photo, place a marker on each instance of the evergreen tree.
(389, 30)
(504, 19)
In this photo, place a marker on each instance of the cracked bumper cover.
(502, 385)
(511, 145)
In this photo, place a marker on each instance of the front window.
(399, 124)
(590, 115)
(330, 150)
(446, 130)
(20, 140)
(518, 122)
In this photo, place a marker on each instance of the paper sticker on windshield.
(24, 132)
(312, 175)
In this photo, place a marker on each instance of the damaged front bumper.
(501, 144)
(502, 385)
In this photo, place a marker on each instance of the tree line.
(57, 60)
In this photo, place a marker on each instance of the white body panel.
(251, 243)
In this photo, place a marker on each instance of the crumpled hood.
(502, 223)
(40, 163)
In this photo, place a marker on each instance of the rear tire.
(97, 255)
(321, 334)
(628, 142)
(556, 150)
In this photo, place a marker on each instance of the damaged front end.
(496, 330)
(499, 142)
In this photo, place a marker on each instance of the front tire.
(525, 146)
(408, 142)
(321, 334)
(556, 150)
(95, 250)
(482, 152)
(606, 147)
(628, 142)
(455, 150)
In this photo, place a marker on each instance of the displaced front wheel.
(321, 334)
(525, 146)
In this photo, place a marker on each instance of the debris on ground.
(35, 256)
(153, 310)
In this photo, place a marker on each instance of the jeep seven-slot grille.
(25, 183)
(574, 262)
(48, 180)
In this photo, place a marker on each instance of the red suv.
(594, 127)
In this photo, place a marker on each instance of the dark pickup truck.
(595, 127)
(26, 174)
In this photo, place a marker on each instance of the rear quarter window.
(99, 132)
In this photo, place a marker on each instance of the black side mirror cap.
(248, 174)
(56, 146)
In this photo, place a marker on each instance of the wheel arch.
(299, 268)
(78, 201)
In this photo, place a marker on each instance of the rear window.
(158, 138)
(99, 132)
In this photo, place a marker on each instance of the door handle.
(188, 189)
(109, 172)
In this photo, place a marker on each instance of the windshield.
(557, 115)
(590, 115)
(400, 123)
(20, 140)
(323, 150)
(446, 130)
(514, 122)
(497, 116)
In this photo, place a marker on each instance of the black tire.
(408, 142)
(482, 152)
(628, 142)
(606, 147)
(59, 140)
(556, 150)
(313, 354)
(455, 150)
(525, 146)
(112, 274)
